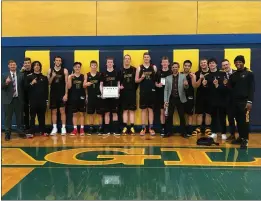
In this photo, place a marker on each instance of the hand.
(71, 76)
(204, 82)
(143, 76)
(65, 98)
(166, 104)
(202, 76)
(185, 83)
(23, 69)
(8, 80)
(225, 81)
(89, 84)
(121, 87)
(215, 82)
(53, 74)
(159, 85)
(34, 81)
(249, 106)
(192, 75)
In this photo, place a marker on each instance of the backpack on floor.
(206, 141)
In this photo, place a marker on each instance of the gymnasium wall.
(106, 18)
(86, 30)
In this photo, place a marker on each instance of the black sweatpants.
(231, 120)
(242, 118)
(39, 110)
(218, 116)
(175, 103)
(26, 116)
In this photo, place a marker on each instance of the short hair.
(77, 63)
(27, 59)
(109, 58)
(240, 58)
(203, 59)
(175, 63)
(93, 62)
(224, 60)
(58, 57)
(146, 53)
(165, 58)
(212, 60)
(11, 61)
(36, 62)
(187, 61)
(126, 55)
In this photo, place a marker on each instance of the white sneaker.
(63, 131)
(224, 136)
(213, 135)
(54, 131)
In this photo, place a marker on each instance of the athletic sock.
(82, 126)
(151, 126)
(143, 126)
(75, 127)
(162, 126)
(63, 126)
(124, 125)
(54, 125)
(132, 125)
(115, 128)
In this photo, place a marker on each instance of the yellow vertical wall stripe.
(230, 54)
(136, 61)
(85, 57)
(188, 54)
(44, 57)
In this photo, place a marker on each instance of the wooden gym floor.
(129, 167)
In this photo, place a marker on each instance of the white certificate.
(163, 80)
(110, 92)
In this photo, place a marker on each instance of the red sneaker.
(74, 132)
(82, 132)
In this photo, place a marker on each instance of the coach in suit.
(12, 98)
(175, 96)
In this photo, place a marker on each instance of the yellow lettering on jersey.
(16, 156)
(134, 156)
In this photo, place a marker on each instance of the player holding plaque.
(145, 75)
(128, 94)
(160, 84)
(92, 82)
(110, 88)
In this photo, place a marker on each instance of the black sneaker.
(90, 131)
(236, 141)
(162, 132)
(244, 144)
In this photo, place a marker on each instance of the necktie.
(14, 86)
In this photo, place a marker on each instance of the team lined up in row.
(219, 93)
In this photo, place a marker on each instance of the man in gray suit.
(175, 96)
(12, 98)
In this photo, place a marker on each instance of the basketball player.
(189, 105)
(110, 79)
(202, 106)
(128, 94)
(26, 70)
(77, 97)
(58, 78)
(37, 87)
(92, 83)
(214, 82)
(145, 76)
(160, 84)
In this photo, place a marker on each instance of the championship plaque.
(110, 92)
(163, 80)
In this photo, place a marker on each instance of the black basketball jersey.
(58, 83)
(160, 78)
(77, 91)
(110, 79)
(94, 89)
(190, 90)
(127, 78)
(201, 90)
(148, 83)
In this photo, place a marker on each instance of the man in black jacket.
(26, 70)
(242, 85)
(37, 86)
(228, 100)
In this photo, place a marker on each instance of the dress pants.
(175, 102)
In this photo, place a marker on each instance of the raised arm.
(137, 79)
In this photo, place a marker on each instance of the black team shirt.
(242, 84)
(94, 89)
(160, 90)
(190, 90)
(148, 83)
(110, 79)
(202, 92)
(127, 78)
(77, 92)
(38, 92)
(58, 84)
